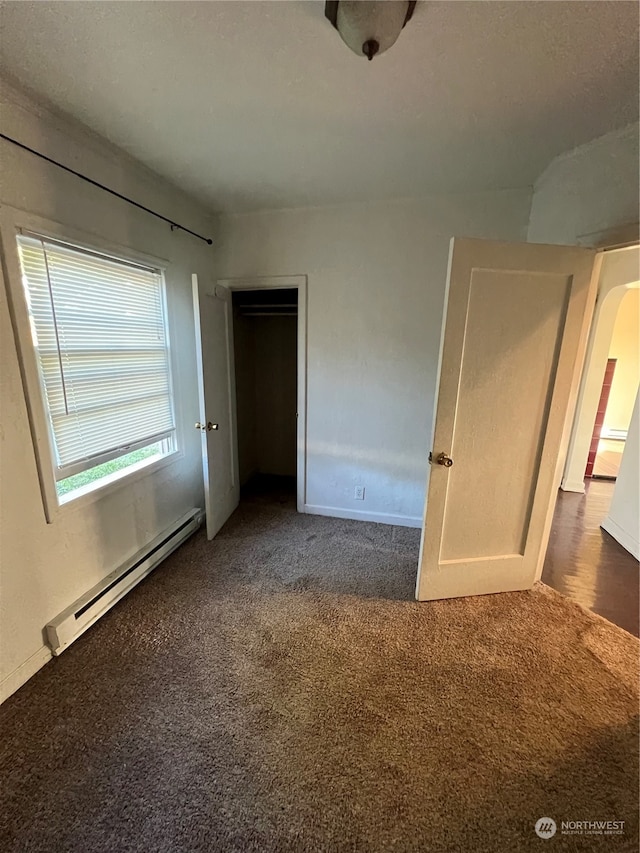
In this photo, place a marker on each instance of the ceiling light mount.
(369, 27)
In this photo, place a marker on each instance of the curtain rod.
(174, 225)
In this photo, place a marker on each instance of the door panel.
(495, 464)
(513, 338)
(214, 345)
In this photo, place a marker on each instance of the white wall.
(623, 521)
(589, 190)
(44, 568)
(625, 348)
(376, 277)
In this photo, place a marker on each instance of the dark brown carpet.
(278, 690)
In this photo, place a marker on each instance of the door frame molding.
(291, 282)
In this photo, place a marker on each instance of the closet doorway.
(269, 358)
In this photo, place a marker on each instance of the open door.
(513, 341)
(216, 423)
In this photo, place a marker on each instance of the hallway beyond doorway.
(608, 459)
(586, 563)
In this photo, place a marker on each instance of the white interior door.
(513, 341)
(216, 417)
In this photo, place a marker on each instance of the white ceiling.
(253, 105)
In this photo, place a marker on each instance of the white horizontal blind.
(100, 335)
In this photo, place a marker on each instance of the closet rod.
(270, 314)
(268, 305)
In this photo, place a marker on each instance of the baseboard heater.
(75, 620)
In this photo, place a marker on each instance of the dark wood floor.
(586, 563)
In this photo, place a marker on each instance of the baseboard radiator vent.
(75, 620)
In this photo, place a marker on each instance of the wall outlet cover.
(359, 493)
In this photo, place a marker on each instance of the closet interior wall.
(265, 331)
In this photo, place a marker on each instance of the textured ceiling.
(252, 105)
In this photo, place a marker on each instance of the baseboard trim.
(23, 673)
(625, 539)
(360, 515)
(573, 486)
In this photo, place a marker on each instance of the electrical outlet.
(359, 493)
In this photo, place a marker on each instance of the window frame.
(12, 222)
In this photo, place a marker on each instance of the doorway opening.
(607, 392)
(620, 386)
(268, 352)
(593, 547)
(265, 340)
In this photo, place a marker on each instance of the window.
(99, 330)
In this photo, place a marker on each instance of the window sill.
(93, 492)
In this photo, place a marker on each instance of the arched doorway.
(619, 274)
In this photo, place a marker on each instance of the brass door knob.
(442, 459)
(208, 427)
